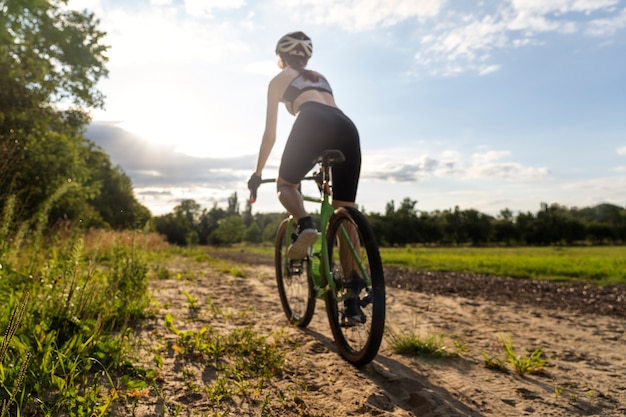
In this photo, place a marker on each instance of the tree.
(233, 205)
(453, 226)
(504, 228)
(390, 208)
(432, 227)
(113, 195)
(183, 226)
(209, 221)
(605, 222)
(248, 219)
(230, 230)
(173, 228)
(189, 211)
(51, 60)
(476, 227)
(253, 234)
(49, 54)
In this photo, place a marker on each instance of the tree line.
(552, 224)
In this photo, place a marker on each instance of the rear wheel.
(357, 272)
(294, 279)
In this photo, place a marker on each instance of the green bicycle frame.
(319, 256)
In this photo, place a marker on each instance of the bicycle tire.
(358, 343)
(294, 280)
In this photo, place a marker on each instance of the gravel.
(574, 296)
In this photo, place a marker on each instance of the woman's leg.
(306, 234)
(290, 197)
(348, 264)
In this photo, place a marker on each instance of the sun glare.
(174, 114)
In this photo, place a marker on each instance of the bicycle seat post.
(327, 159)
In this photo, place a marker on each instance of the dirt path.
(585, 375)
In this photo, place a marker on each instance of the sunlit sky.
(484, 105)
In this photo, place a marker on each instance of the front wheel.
(294, 279)
(356, 306)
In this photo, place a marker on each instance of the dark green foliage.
(229, 230)
(51, 60)
(172, 227)
(50, 54)
(113, 197)
(253, 234)
(552, 224)
(190, 224)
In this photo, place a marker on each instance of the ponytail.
(299, 63)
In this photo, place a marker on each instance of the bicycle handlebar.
(253, 192)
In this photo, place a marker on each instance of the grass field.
(601, 265)
(598, 264)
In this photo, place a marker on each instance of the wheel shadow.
(402, 387)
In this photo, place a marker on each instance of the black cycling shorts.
(319, 127)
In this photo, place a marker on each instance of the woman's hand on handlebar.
(253, 184)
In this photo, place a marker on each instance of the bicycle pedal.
(352, 314)
(365, 301)
(351, 322)
(295, 267)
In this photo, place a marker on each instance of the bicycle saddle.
(330, 157)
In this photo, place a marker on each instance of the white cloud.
(488, 165)
(462, 42)
(160, 36)
(403, 165)
(204, 8)
(465, 46)
(91, 5)
(539, 15)
(166, 80)
(83, 4)
(562, 6)
(360, 15)
(489, 69)
(621, 150)
(508, 170)
(488, 157)
(609, 26)
(267, 68)
(454, 42)
(596, 190)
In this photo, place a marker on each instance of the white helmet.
(295, 43)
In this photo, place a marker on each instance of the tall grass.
(68, 301)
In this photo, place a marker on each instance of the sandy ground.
(586, 374)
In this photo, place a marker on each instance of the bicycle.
(342, 267)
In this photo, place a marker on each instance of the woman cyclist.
(319, 125)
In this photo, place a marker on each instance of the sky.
(484, 105)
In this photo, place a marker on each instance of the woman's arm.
(269, 135)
